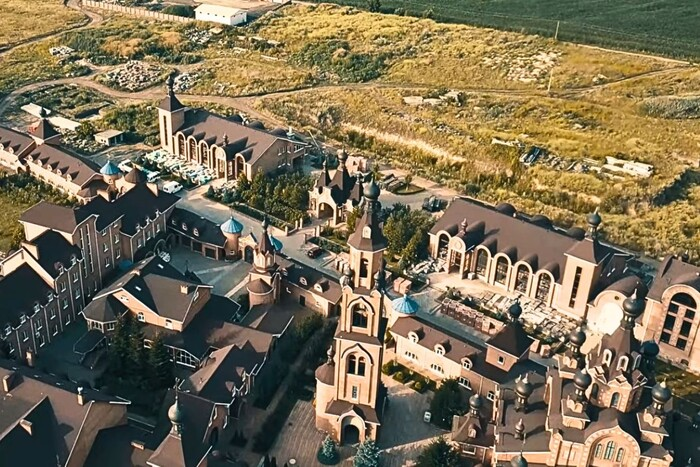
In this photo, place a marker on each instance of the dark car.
(315, 252)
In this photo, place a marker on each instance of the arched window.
(501, 270)
(352, 364)
(543, 285)
(594, 391)
(623, 362)
(609, 450)
(607, 356)
(467, 364)
(440, 350)
(522, 278)
(615, 400)
(193, 149)
(598, 451)
(482, 261)
(413, 337)
(359, 316)
(364, 267)
(181, 146)
(620, 455)
(679, 321)
(361, 366)
(637, 361)
(141, 317)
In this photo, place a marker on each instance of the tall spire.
(170, 102)
(368, 235)
(594, 220)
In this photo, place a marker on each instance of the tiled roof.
(673, 271)
(53, 250)
(159, 286)
(61, 218)
(207, 231)
(430, 336)
(20, 290)
(511, 339)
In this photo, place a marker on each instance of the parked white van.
(172, 187)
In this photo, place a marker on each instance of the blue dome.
(232, 226)
(276, 244)
(405, 305)
(110, 169)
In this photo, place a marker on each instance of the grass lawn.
(24, 19)
(71, 100)
(17, 194)
(668, 27)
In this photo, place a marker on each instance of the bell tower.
(351, 410)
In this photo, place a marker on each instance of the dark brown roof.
(18, 142)
(51, 405)
(20, 290)
(113, 448)
(213, 328)
(53, 250)
(627, 285)
(44, 130)
(222, 372)
(170, 103)
(316, 282)
(429, 336)
(188, 448)
(57, 159)
(590, 250)
(673, 271)
(365, 412)
(61, 218)
(512, 339)
(376, 241)
(207, 231)
(272, 318)
(326, 373)
(104, 309)
(259, 287)
(160, 287)
(500, 231)
(136, 176)
(253, 143)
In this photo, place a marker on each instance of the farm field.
(24, 19)
(666, 27)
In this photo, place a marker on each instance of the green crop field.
(666, 27)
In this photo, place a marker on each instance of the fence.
(142, 12)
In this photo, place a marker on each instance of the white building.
(220, 14)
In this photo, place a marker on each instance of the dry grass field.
(24, 19)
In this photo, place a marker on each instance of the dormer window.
(8, 329)
(141, 317)
(49, 296)
(607, 357)
(467, 364)
(22, 318)
(413, 337)
(302, 281)
(173, 221)
(195, 231)
(73, 259)
(184, 227)
(623, 363)
(366, 232)
(440, 350)
(37, 307)
(138, 226)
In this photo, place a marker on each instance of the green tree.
(328, 452)
(367, 455)
(440, 453)
(86, 130)
(449, 400)
(160, 366)
(352, 217)
(119, 350)
(136, 370)
(374, 6)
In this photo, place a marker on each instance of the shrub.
(419, 386)
(328, 452)
(179, 10)
(401, 376)
(390, 367)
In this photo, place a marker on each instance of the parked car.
(172, 187)
(315, 252)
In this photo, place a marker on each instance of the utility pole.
(556, 33)
(551, 75)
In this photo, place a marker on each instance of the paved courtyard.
(226, 278)
(403, 436)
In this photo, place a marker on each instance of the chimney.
(184, 289)
(27, 425)
(81, 397)
(7, 381)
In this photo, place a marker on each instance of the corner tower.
(349, 405)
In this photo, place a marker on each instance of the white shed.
(220, 14)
